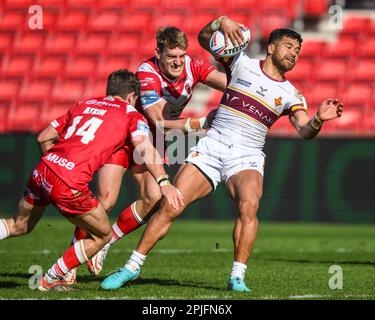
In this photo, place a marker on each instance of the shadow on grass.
(363, 263)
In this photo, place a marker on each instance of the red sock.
(79, 234)
(127, 222)
(72, 258)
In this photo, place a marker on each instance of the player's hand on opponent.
(211, 116)
(231, 30)
(330, 109)
(173, 195)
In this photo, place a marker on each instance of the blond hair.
(170, 37)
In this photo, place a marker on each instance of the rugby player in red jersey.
(76, 145)
(167, 83)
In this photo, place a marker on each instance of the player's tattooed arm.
(309, 128)
(47, 138)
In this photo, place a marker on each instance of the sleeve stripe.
(54, 123)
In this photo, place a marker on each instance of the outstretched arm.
(309, 128)
(153, 162)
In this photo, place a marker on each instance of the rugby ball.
(218, 48)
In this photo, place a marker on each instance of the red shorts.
(125, 157)
(45, 187)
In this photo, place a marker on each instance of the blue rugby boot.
(119, 278)
(237, 284)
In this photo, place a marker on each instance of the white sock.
(136, 261)
(238, 270)
(4, 230)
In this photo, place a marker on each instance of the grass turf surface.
(290, 261)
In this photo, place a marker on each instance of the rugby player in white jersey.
(256, 96)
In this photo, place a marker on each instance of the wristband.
(162, 178)
(164, 182)
(316, 123)
(215, 25)
(188, 127)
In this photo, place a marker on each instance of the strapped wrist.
(163, 177)
(316, 123)
(216, 24)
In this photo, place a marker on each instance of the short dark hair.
(171, 37)
(277, 34)
(122, 82)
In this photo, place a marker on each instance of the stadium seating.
(83, 41)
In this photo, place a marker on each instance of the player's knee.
(248, 207)
(151, 200)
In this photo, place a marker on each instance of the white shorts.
(218, 162)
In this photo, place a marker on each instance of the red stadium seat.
(113, 4)
(356, 25)
(350, 122)
(103, 21)
(92, 44)
(358, 94)
(145, 5)
(315, 8)
(125, 45)
(6, 42)
(80, 67)
(60, 44)
(302, 71)
(365, 70)
(72, 21)
(12, 21)
(367, 49)
(313, 49)
(270, 20)
(200, 20)
(96, 88)
(171, 19)
(184, 6)
(214, 6)
(9, 88)
(4, 113)
(136, 23)
(346, 48)
(87, 5)
(36, 90)
(111, 64)
(290, 6)
(54, 111)
(69, 91)
(241, 6)
(332, 70)
(25, 117)
(319, 92)
(50, 67)
(30, 43)
(17, 4)
(18, 66)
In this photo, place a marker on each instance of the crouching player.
(77, 145)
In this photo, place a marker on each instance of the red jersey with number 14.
(89, 133)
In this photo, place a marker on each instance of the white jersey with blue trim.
(252, 103)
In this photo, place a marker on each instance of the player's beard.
(281, 64)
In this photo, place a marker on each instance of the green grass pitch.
(290, 261)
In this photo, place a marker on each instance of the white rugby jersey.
(252, 103)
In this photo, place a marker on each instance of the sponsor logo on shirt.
(261, 90)
(243, 82)
(102, 103)
(149, 97)
(54, 158)
(278, 101)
